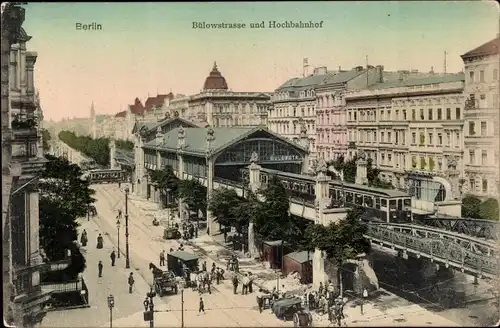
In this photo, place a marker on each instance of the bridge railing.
(443, 247)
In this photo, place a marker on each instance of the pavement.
(223, 308)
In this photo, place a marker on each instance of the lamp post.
(365, 295)
(111, 305)
(127, 260)
(118, 228)
(149, 307)
(181, 287)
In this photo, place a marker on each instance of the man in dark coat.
(162, 258)
(131, 282)
(113, 258)
(235, 284)
(99, 267)
(202, 306)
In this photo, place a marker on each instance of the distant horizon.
(152, 48)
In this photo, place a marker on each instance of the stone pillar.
(304, 143)
(211, 226)
(322, 202)
(112, 153)
(254, 177)
(361, 174)
(180, 175)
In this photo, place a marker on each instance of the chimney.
(380, 73)
(320, 70)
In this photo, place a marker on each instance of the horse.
(337, 313)
(155, 269)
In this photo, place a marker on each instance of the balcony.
(24, 128)
(352, 145)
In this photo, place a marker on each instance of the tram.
(105, 176)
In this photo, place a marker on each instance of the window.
(485, 185)
(481, 76)
(375, 136)
(422, 139)
(350, 116)
(397, 115)
(483, 129)
(471, 76)
(472, 127)
(457, 139)
(355, 116)
(440, 139)
(382, 137)
(430, 139)
(413, 161)
(382, 115)
(472, 157)
(413, 138)
(482, 97)
(457, 113)
(440, 114)
(430, 114)
(383, 158)
(396, 135)
(495, 74)
(389, 139)
(448, 114)
(484, 157)
(404, 114)
(389, 158)
(422, 114)
(413, 115)
(448, 138)
(472, 184)
(389, 115)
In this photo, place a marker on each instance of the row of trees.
(475, 208)
(64, 197)
(97, 149)
(350, 169)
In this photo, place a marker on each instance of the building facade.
(22, 160)
(218, 106)
(482, 119)
(412, 129)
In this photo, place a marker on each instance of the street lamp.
(149, 307)
(365, 295)
(118, 227)
(181, 287)
(111, 305)
(127, 260)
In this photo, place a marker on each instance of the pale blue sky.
(150, 46)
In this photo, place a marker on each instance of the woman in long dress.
(100, 242)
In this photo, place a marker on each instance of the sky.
(145, 48)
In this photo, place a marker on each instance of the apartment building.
(412, 128)
(481, 119)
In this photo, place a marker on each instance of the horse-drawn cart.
(285, 308)
(171, 233)
(165, 283)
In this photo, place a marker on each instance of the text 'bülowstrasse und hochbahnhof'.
(256, 25)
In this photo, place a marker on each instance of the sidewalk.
(113, 281)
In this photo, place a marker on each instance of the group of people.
(325, 301)
(189, 230)
(233, 264)
(246, 283)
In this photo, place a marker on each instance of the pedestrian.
(235, 284)
(213, 267)
(162, 258)
(100, 242)
(209, 284)
(113, 258)
(260, 300)
(119, 214)
(204, 266)
(218, 275)
(245, 282)
(250, 283)
(202, 306)
(320, 290)
(171, 250)
(99, 267)
(131, 282)
(84, 238)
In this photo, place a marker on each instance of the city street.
(227, 309)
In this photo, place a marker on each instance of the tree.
(373, 176)
(271, 217)
(223, 204)
(340, 241)
(470, 207)
(194, 194)
(64, 197)
(349, 167)
(46, 138)
(166, 179)
(488, 210)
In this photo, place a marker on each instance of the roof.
(164, 122)
(137, 108)
(122, 114)
(185, 256)
(146, 125)
(157, 101)
(489, 48)
(301, 257)
(438, 78)
(317, 80)
(215, 80)
(124, 156)
(195, 139)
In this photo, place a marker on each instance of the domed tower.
(215, 80)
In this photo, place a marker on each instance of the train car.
(106, 176)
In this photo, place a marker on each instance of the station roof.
(149, 127)
(195, 139)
